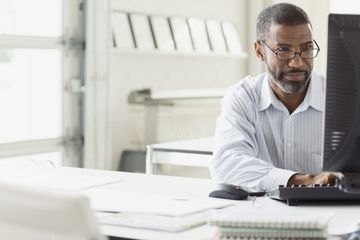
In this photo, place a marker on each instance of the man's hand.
(307, 179)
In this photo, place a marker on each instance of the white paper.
(181, 33)
(199, 35)
(142, 32)
(162, 33)
(121, 30)
(216, 36)
(155, 222)
(232, 37)
(123, 201)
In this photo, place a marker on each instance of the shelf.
(156, 52)
(158, 97)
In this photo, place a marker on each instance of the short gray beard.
(288, 88)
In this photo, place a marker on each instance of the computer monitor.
(342, 113)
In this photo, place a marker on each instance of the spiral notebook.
(267, 225)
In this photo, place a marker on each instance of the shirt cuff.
(276, 177)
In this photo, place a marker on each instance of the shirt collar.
(267, 96)
(314, 97)
(316, 92)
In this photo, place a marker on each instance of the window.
(39, 57)
(30, 95)
(21, 17)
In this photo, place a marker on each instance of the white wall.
(135, 71)
(114, 125)
(345, 6)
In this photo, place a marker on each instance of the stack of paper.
(270, 225)
(156, 222)
(152, 211)
(134, 202)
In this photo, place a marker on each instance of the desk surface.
(344, 215)
(179, 187)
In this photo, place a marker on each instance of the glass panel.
(31, 18)
(43, 159)
(30, 94)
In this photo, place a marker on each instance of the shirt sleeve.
(236, 151)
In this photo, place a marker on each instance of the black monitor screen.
(342, 114)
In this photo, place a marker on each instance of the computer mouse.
(229, 191)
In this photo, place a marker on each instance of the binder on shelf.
(232, 38)
(162, 33)
(181, 34)
(199, 35)
(142, 31)
(216, 36)
(121, 30)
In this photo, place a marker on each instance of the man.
(270, 129)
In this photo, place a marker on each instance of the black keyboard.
(296, 194)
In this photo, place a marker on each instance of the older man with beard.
(270, 129)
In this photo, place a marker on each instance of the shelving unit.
(133, 68)
(156, 52)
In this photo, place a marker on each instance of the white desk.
(194, 152)
(344, 215)
(77, 180)
(177, 187)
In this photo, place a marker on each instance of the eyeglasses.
(288, 54)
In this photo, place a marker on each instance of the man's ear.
(259, 50)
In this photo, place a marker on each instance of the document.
(133, 202)
(156, 222)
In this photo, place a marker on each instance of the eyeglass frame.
(294, 52)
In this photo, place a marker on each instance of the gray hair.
(282, 13)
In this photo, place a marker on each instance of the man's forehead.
(282, 33)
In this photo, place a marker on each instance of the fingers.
(307, 179)
(326, 178)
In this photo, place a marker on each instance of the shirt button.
(289, 144)
(290, 118)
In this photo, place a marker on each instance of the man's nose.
(296, 62)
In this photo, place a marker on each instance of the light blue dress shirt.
(258, 144)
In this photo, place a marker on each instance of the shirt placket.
(289, 142)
